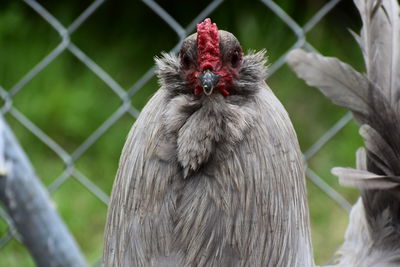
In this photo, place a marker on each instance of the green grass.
(68, 102)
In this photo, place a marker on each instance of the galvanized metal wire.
(126, 94)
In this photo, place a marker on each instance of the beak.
(208, 80)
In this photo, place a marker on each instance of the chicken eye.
(185, 61)
(235, 58)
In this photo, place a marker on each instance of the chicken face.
(210, 59)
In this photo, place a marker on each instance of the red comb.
(207, 45)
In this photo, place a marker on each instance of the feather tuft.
(338, 81)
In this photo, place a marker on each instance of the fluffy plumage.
(210, 180)
(373, 235)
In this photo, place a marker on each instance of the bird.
(211, 173)
(373, 234)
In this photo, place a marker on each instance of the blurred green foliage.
(68, 101)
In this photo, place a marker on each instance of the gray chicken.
(211, 173)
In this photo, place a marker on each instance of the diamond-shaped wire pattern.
(126, 107)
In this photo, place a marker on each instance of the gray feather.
(338, 81)
(380, 42)
(361, 159)
(374, 229)
(382, 154)
(365, 179)
(359, 248)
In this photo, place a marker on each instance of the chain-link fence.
(71, 171)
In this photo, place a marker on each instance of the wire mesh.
(71, 171)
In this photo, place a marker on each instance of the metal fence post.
(29, 206)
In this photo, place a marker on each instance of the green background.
(68, 101)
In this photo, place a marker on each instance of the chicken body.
(210, 180)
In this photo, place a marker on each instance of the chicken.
(211, 173)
